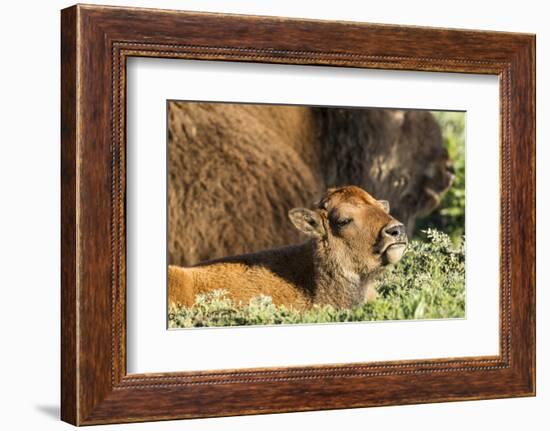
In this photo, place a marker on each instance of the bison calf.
(352, 237)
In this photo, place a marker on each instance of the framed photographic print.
(264, 215)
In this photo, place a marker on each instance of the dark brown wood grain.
(96, 41)
(68, 217)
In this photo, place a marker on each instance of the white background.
(153, 349)
(29, 216)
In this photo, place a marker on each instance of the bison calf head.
(353, 230)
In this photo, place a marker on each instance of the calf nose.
(394, 230)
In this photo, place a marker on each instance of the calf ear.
(307, 221)
(385, 205)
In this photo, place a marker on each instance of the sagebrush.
(428, 283)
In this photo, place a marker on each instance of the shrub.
(427, 283)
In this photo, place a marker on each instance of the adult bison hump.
(232, 176)
(234, 170)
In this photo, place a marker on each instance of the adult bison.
(234, 170)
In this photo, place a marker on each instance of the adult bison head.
(392, 153)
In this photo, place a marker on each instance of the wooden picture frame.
(95, 43)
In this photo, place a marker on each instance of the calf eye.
(343, 222)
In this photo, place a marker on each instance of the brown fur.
(392, 153)
(349, 244)
(234, 170)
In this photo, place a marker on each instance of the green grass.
(428, 283)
